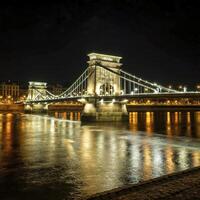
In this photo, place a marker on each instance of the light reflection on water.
(51, 157)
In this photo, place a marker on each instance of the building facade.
(9, 91)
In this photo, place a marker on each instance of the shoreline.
(11, 107)
(179, 185)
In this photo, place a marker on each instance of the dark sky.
(158, 40)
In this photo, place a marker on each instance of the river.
(53, 157)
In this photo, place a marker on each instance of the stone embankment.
(11, 107)
(183, 185)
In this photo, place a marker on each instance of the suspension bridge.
(104, 83)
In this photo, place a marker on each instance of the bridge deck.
(194, 95)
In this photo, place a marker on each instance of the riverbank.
(183, 185)
(12, 107)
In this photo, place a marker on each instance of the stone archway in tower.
(106, 89)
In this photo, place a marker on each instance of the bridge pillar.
(103, 82)
(36, 107)
(104, 111)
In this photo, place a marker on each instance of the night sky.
(158, 40)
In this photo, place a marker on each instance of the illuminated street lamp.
(101, 101)
(82, 100)
(180, 87)
(113, 101)
(148, 102)
(184, 89)
(9, 99)
(125, 100)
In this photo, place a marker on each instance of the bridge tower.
(35, 90)
(102, 81)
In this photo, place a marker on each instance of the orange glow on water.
(149, 122)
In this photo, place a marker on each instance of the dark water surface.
(50, 157)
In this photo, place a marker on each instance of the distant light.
(125, 101)
(113, 101)
(101, 100)
(148, 101)
(82, 100)
(155, 91)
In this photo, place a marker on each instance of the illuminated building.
(9, 91)
(23, 91)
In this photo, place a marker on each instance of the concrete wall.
(135, 108)
(54, 107)
(12, 107)
(105, 112)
